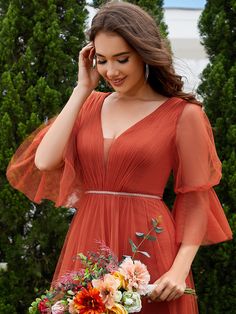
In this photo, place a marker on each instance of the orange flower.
(88, 301)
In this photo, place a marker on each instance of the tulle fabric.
(176, 136)
(63, 185)
(197, 211)
(56, 185)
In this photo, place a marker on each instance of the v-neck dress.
(176, 137)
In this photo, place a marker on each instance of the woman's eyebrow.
(115, 55)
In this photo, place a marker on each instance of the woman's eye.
(101, 61)
(123, 60)
(120, 61)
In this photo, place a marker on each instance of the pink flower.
(69, 278)
(72, 309)
(108, 289)
(136, 274)
(58, 308)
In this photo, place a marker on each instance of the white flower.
(132, 301)
(58, 308)
(118, 296)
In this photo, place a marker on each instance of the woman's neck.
(143, 93)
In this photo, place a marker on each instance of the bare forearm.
(50, 151)
(184, 259)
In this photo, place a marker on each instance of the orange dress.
(175, 137)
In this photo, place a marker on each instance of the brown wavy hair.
(141, 32)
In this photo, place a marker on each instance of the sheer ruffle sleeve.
(197, 212)
(61, 185)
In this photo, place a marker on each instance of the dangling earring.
(146, 71)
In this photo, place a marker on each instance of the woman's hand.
(169, 286)
(88, 76)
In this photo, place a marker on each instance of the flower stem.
(190, 291)
(144, 238)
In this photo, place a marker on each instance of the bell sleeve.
(198, 215)
(61, 185)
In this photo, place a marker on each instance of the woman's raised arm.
(49, 154)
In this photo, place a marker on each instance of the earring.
(146, 71)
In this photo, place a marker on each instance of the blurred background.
(39, 46)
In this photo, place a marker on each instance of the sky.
(198, 4)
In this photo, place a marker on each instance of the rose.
(132, 301)
(117, 309)
(118, 296)
(123, 282)
(59, 307)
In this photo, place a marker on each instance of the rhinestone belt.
(123, 194)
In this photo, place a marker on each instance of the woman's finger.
(172, 295)
(177, 293)
(165, 293)
(157, 291)
(86, 51)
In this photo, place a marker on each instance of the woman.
(110, 155)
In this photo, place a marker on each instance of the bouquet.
(102, 284)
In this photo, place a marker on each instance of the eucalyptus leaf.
(151, 238)
(144, 253)
(139, 234)
(154, 222)
(133, 246)
(158, 229)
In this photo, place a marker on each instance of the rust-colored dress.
(176, 136)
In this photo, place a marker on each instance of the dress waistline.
(123, 194)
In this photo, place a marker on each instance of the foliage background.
(39, 45)
(215, 266)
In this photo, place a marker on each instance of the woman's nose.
(112, 71)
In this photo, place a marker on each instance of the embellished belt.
(123, 194)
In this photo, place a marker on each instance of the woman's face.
(118, 63)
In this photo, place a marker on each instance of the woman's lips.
(117, 82)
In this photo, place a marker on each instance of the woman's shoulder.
(93, 102)
(91, 106)
(185, 109)
(192, 112)
(97, 95)
(193, 117)
(94, 98)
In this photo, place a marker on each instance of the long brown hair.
(141, 32)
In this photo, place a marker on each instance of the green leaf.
(133, 246)
(151, 238)
(158, 229)
(144, 253)
(139, 234)
(154, 222)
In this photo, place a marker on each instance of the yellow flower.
(123, 282)
(117, 309)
